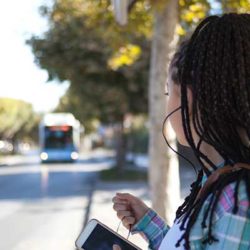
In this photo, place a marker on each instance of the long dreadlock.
(215, 63)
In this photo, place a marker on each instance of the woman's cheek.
(176, 123)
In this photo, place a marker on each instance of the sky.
(20, 77)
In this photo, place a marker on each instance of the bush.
(127, 175)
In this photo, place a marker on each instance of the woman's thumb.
(116, 247)
(126, 196)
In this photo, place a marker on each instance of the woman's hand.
(129, 208)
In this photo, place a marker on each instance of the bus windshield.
(58, 137)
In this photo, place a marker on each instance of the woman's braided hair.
(215, 63)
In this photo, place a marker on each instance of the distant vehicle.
(59, 137)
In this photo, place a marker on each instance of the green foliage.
(139, 141)
(239, 6)
(191, 13)
(125, 56)
(138, 135)
(82, 46)
(131, 174)
(17, 118)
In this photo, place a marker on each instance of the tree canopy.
(17, 118)
(106, 64)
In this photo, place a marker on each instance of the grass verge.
(126, 175)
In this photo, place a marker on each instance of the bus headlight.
(44, 156)
(74, 155)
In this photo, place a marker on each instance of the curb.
(90, 202)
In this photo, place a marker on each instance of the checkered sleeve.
(152, 228)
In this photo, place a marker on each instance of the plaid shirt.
(232, 230)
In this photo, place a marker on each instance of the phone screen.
(103, 239)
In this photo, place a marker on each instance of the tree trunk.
(164, 170)
(120, 147)
(14, 142)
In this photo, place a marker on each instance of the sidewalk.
(10, 160)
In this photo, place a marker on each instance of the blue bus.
(59, 138)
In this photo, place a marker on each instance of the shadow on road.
(27, 179)
(46, 185)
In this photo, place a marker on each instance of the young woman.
(209, 109)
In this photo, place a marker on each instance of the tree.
(17, 119)
(159, 164)
(172, 19)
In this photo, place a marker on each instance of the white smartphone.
(97, 236)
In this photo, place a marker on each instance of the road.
(44, 206)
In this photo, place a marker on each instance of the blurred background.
(81, 110)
